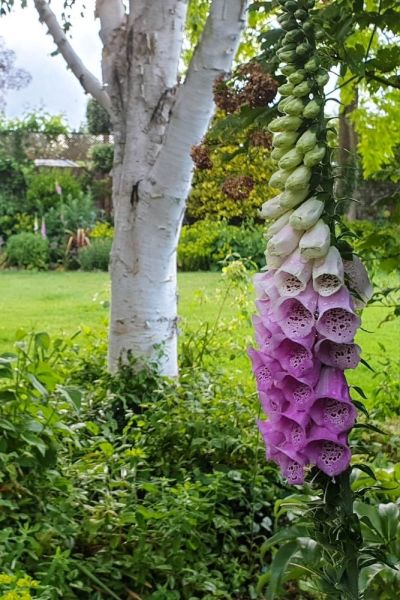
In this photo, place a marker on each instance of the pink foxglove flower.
(328, 273)
(337, 320)
(308, 298)
(294, 274)
(359, 282)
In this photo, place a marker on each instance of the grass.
(66, 302)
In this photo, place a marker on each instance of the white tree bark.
(155, 124)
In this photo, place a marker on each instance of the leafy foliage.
(114, 469)
(102, 156)
(98, 119)
(42, 193)
(28, 251)
(96, 256)
(204, 245)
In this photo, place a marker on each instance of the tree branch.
(111, 14)
(194, 104)
(88, 81)
(371, 76)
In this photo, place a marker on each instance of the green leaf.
(34, 440)
(361, 407)
(278, 567)
(37, 385)
(366, 364)
(370, 427)
(359, 391)
(368, 574)
(284, 535)
(365, 468)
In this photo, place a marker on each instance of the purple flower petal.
(336, 415)
(358, 281)
(340, 356)
(293, 276)
(294, 357)
(337, 320)
(328, 451)
(296, 315)
(273, 401)
(264, 368)
(267, 337)
(300, 395)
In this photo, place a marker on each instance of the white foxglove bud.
(306, 215)
(293, 276)
(316, 241)
(284, 242)
(291, 198)
(271, 209)
(278, 224)
(328, 276)
(273, 261)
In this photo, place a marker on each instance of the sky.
(53, 88)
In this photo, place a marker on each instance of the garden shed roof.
(55, 162)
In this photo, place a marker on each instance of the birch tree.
(156, 119)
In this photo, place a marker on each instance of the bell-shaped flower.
(359, 283)
(328, 450)
(337, 320)
(328, 273)
(264, 369)
(296, 315)
(339, 356)
(315, 242)
(307, 214)
(290, 462)
(293, 275)
(278, 224)
(273, 401)
(284, 242)
(332, 384)
(295, 357)
(336, 415)
(264, 285)
(333, 407)
(294, 430)
(269, 336)
(300, 395)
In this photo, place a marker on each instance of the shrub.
(65, 219)
(42, 194)
(136, 484)
(28, 251)
(96, 256)
(205, 244)
(102, 156)
(237, 182)
(98, 119)
(12, 177)
(102, 230)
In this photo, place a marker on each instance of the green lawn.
(65, 302)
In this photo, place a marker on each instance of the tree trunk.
(143, 318)
(152, 177)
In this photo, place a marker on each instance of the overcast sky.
(53, 87)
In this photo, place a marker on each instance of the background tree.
(11, 77)
(155, 121)
(97, 118)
